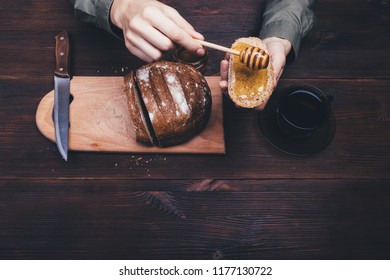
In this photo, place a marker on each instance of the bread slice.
(152, 106)
(176, 102)
(249, 88)
(140, 124)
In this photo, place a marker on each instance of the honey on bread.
(249, 83)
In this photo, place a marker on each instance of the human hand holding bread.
(278, 49)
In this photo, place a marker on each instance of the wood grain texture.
(271, 223)
(100, 120)
(251, 203)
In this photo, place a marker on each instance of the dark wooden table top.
(252, 203)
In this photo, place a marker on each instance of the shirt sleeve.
(288, 19)
(96, 12)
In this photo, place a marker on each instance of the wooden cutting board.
(100, 121)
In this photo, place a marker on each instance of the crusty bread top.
(176, 99)
(249, 88)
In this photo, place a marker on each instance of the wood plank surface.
(293, 223)
(254, 202)
(100, 120)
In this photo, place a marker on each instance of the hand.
(151, 28)
(278, 49)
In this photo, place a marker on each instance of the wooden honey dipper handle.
(252, 57)
(217, 47)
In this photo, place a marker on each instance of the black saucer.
(304, 146)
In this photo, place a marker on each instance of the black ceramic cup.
(302, 109)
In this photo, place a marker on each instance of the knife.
(62, 94)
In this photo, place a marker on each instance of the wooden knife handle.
(62, 55)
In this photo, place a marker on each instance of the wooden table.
(254, 202)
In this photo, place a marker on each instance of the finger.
(156, 38)
(175, 33)
(279, 75)
(140, 54)
(223, 85)
(278, 62)
(141, 48)
(140, 30)
(180, 21)
(224, 70)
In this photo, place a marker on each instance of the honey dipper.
(252, 57)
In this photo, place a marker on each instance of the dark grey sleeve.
(96, 12)
(288, 19)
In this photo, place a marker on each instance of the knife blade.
(62, 94)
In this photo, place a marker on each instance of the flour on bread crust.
(175, 99)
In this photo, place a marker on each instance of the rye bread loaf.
(249, 88)
(175, 103)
